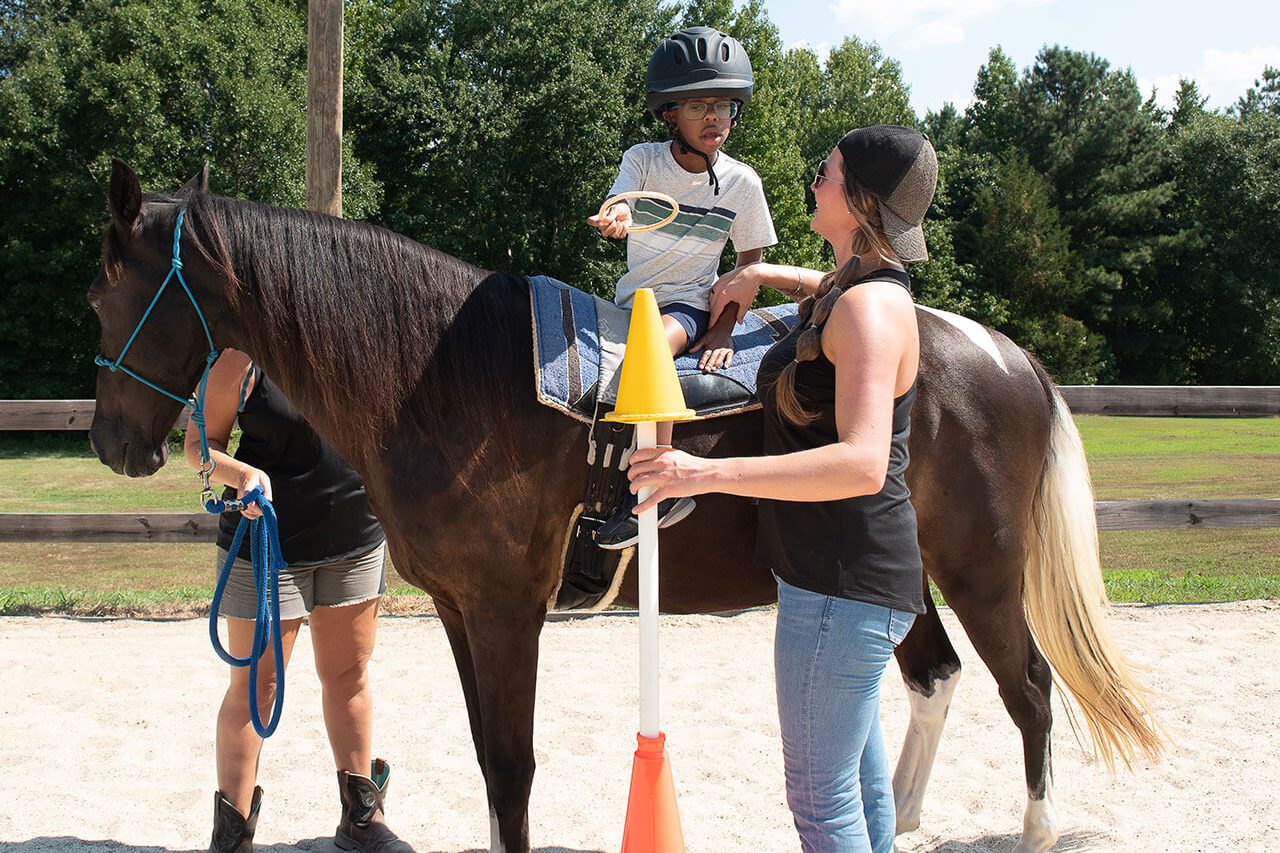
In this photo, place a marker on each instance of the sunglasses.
(820, 175)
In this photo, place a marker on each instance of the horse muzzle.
(132, 454)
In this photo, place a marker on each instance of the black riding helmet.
(698, 62)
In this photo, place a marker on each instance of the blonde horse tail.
(1066, 603)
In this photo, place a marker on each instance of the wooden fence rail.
(1173, 401)
(1161, 400)
(126, 527)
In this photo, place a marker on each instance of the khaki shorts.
(350, 580)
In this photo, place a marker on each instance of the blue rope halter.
(264, 539)
(197, 402)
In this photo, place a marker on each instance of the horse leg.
(1003, 640)
(931, 670)
(502, 639)
(454, 629)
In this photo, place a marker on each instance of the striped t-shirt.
(680, 261)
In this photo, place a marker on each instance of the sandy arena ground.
(108, 724)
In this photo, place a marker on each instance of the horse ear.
(124, 197)
(199, 182)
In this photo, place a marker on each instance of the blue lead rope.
(264, 544)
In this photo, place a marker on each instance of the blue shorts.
(694, 321)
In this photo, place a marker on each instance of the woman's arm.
(221, 405)
(872, 340)
(743, 282)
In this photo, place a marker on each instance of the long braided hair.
(869, 240)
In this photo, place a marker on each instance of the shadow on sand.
(69, 844)
(1068, 842)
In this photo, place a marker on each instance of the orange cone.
(653, 819)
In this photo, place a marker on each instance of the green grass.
(57, 472)
(1171, 458)
(1130, 458)
(121, 580)
(1162, 566)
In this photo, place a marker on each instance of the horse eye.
(94, 295)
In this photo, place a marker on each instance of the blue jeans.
(829, 658)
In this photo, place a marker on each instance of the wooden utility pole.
(324, 106)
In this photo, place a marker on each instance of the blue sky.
(1223, 45)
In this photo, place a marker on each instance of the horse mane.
(369, 325)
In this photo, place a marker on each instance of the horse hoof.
(1039, 827)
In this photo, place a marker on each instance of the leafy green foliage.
(1263, 96)
(162, 84)
(496, 126)
(1114, 239)
(1222, 284)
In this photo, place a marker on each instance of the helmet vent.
(702, 49)
(724, 52)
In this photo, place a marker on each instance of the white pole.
(647, 436)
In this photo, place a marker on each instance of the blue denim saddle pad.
(579, 339)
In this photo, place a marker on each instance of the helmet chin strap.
(686, 149)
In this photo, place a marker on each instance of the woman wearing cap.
(836, 526)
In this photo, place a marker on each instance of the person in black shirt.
(836, 526)
(336, 575)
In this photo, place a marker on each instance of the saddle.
(579, 341)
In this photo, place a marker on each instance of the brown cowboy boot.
(362, 826)
(232, 831)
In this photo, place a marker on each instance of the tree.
(162, 84)
(1264, 96)
(497, 125)
(1188, 103)
(860, 86)
(946, 127)
(994, 115)
(1223, 282)
(1026, 262)
(1087, 130)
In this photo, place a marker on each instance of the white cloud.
(1221, 75)
(912, 24)
(1166, 86)
(822, 49)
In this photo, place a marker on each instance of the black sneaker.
(622, 530)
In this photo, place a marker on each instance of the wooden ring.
(636, 229)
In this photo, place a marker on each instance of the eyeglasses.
(819, 176)
(698, 109)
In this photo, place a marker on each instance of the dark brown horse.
(416, 367)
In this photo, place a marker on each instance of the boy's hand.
(717, 350)
(614, 223)
(717, 343)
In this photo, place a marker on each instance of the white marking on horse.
(976, 332)
(919, 748)
(1040, 821)
(495, 839)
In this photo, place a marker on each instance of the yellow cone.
(649, 389)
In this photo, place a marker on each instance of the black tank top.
(861, 548)
(320, 502)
